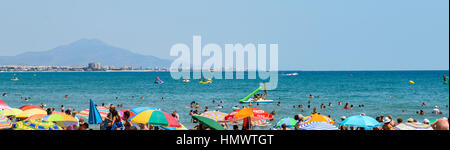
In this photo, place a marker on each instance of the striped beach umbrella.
(317, 126)
(318, 118)
(215, 115)
(34, 124)
(412, 126)
(61, 120)
(26, 107)
(289, 122)
(11, 112)
(253, 113)
(182, 127)
(259, 122)
(155, 117)
(5, 123)
(37, 116)
(4, 106)
(30, 112)
(85, 113)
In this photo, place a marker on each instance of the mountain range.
(82, 52)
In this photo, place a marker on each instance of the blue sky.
(312, 35)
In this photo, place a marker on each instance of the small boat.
(15, 79)
(291, 74)
(258, 101)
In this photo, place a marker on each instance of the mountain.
(82, 52)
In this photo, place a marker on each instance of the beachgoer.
(387, 124)
(440, 124)
(399, 120)
(310, 96)
(299, 119)
(435, 110)
(393, 123)
(128, 124)
(175, 115)
(284, 127)
(343, 127)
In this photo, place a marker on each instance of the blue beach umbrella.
(94, 115)
(318, 126)
(360, 121)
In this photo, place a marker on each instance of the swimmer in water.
(162, 99)
(339, 103)
(142, 97)
(250, 104)
(310, 96)
(423, 104)
(66, 96)
(279, 104)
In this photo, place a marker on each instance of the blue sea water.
(381, 92)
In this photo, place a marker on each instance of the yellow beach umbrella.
(11, 112)
(318, 118)
(31, 112)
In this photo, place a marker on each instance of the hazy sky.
(312, 34)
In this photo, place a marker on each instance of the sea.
(374, 93)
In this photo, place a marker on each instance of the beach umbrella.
(215, 115)
(30, 112)
(360, 121)
(253, 113)
(140, 109)
(182, 127)
(62, 120)
(37, 116)
(317, 126)
(259, 122)
(11, 112)
(26, 107)
(318, 118)
(5, 123)
(412, 126)
(85, 113)
(34, 124)
(4, 106)
(59, 112)
(155, 117)
(94, 115)
(210, 123)
(289, 122)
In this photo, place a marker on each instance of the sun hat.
(299, 116)
(435, 107)
(426, 121)
(386, 120)
(343, 117)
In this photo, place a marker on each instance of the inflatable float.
(158, 81)
(207, 81)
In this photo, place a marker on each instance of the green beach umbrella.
(209, 122)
